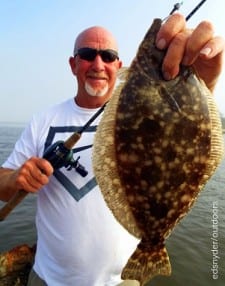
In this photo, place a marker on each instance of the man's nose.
(98, 63)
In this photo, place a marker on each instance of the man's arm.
(31, 176)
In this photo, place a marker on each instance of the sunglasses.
(89, 54)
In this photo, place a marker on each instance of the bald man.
(79, 241)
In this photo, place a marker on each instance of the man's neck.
(90, 101)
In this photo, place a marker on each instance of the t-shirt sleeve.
(25, 147)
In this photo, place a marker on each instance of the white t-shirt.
(79, 241)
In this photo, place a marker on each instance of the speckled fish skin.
(156, 146)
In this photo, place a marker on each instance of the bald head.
(96, 37)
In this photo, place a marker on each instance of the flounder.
(156, 146)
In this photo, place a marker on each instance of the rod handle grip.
(12, 203)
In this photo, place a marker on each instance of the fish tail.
(146, 263)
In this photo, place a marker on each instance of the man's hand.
(33, 174)
(197, 47)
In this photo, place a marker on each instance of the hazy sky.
(37, 39)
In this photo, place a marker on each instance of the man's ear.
(72, 62)
(120, 64)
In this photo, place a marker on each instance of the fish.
(156, 146)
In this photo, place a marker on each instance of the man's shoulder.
(55, 110)
(64, 105)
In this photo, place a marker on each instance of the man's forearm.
(7, 184)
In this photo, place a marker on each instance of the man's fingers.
(197, 41)
(34, 174)
(175, 54)
(173, 25)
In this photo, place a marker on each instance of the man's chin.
(96, 91)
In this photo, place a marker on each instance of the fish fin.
(145, 263)
(122, 73)
(217, 139)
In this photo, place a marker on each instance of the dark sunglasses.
(89, 54)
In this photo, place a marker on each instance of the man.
(79, 241)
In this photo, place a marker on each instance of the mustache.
(100, 75)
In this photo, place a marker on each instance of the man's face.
(95, 65)
(96, 76)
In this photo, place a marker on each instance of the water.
(18, 227)
(190, 246)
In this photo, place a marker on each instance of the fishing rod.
(195, 9)
(177, 6)
(60, 154)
